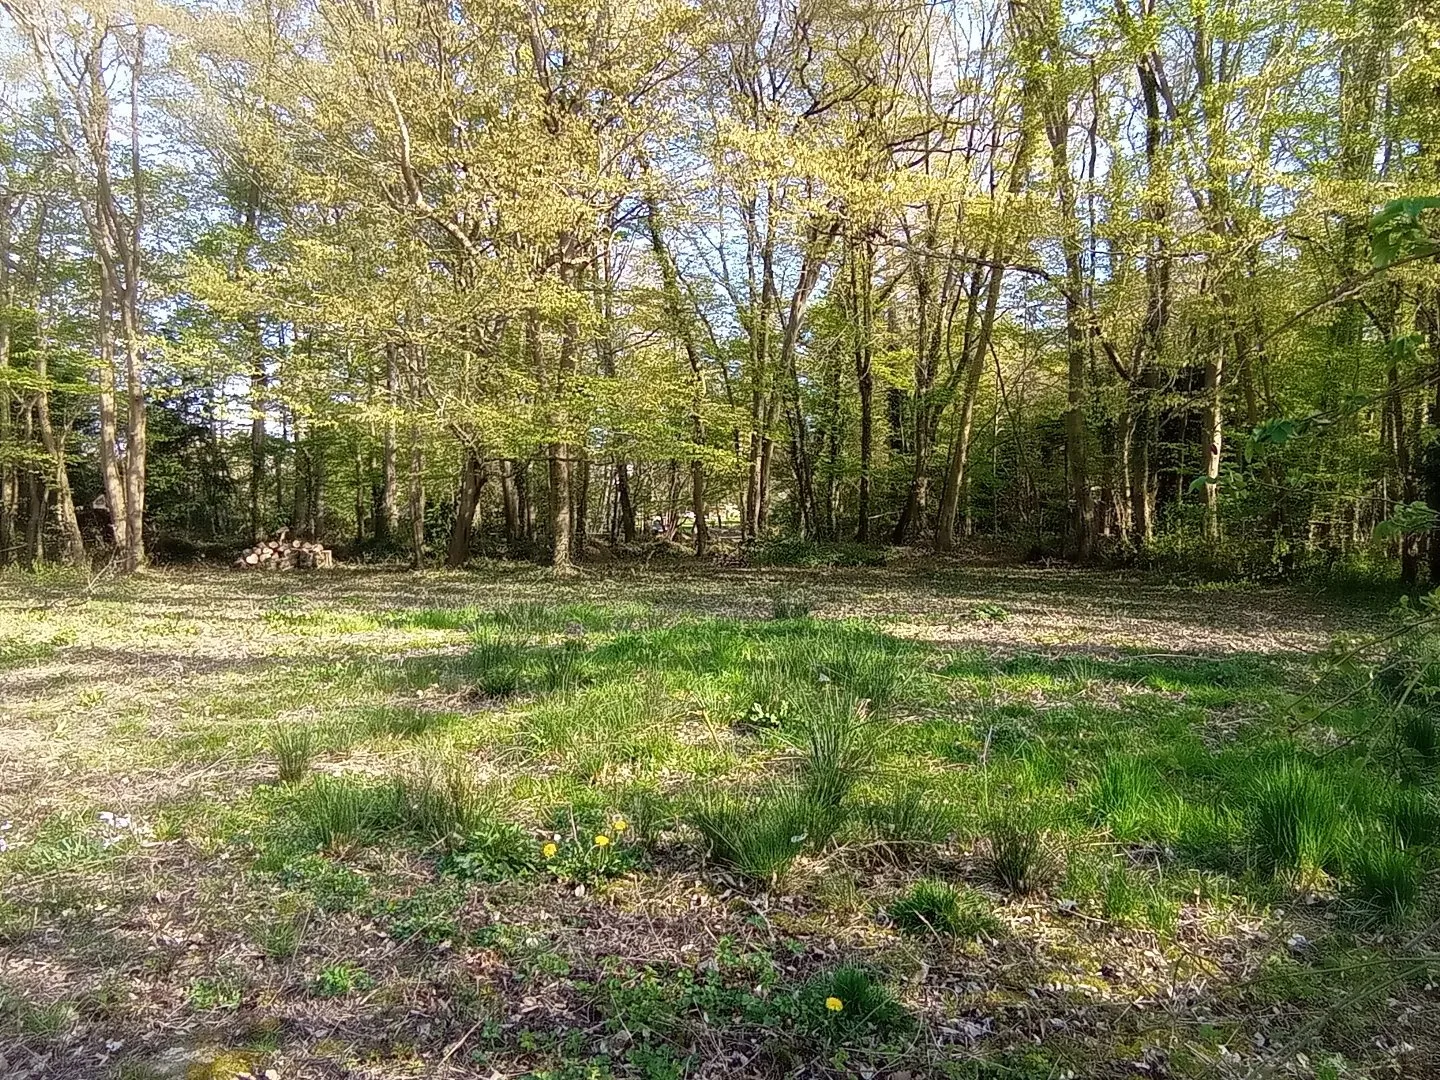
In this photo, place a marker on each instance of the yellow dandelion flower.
(619, 824)
(549, 851)
(834, 1004)
(602, 841)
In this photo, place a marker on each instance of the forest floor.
(923, 820)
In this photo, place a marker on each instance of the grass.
(807, 782)
(939, 908)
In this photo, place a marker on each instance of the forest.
(719, 539)
(1147, 282)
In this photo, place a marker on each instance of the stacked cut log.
(286, 554)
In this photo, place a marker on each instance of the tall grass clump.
(1124, 797)
(1295, 821)
(936, 907)
(495, 665)
(759, 838)
(336, 813)
(442, 803)
(1019, 859)
(293, 746)
(564, 668)
(1414, 817)
(1385, 881)
(786, 606)
(910, 816)
(836, 739)
(1418, 735)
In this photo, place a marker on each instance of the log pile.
(283, 553)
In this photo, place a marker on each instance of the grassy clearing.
(864, 826)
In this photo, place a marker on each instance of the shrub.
(1385, 881)
(1018, 859)
(294, 748)
(935, 907)
(1294, 820)
(850, 1001)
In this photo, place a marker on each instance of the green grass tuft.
(1018, 859)
(1295, 821)
(759, 838)
(1385, 881)
(935, 907)
(866, 1005)
(293, 746)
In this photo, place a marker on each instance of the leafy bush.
(1294, 820)
(935, 907)
(294, 748)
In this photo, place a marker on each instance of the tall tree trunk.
(626, 507)
(389, 505)
(72, 543)
(510, 504)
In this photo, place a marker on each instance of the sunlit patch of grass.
(851, 1001)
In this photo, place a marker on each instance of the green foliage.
(1295, 820)
(1018, 858)
(866, 1005)
(441, 802)
(1385, 881)
(836, 739)
(790, 606)
(760, 838)
(495, 665)
(936, 907)
(338, 980)
(293, 746)
(494, 851)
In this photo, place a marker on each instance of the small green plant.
(762, 838)
(495, 665)
(442, 803)
(494, 851)
(278, 939)
(337, 980)
(851, 1001)
(936, 907)
(1294, 820)
(215, 992)
(1018, 859)
(1122, 896)
(293, 746)
(908, 819)
(990, 612)
(1385, 881)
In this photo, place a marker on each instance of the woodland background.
(1144, 280)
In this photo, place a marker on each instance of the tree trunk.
(389, 507)
(560, 537)
(472, 478)
(622, 494)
